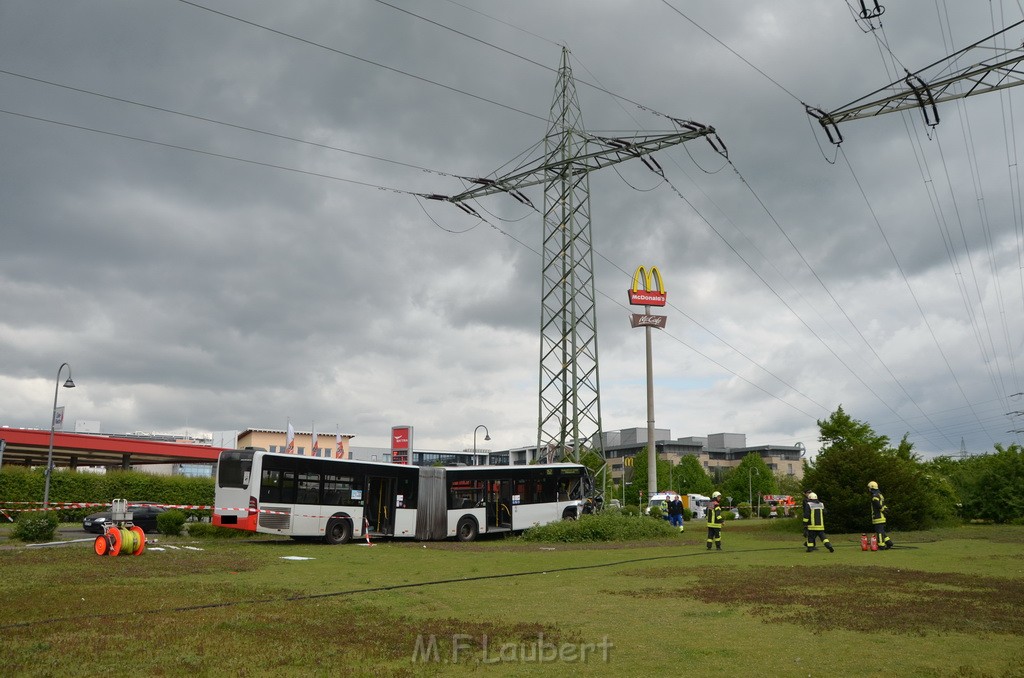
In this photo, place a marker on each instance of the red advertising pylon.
(874, 543)
(863, 542)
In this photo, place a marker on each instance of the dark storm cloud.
(249, 282)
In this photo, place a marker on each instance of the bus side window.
(270, 488)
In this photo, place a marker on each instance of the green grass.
(943, 603)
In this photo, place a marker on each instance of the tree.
(689, 477)
(841, 430)
(749, 480)
(787, 484)
(639, 485)
(991, 485)
(853, 454)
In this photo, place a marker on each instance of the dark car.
(142, 515)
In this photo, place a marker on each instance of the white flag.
(339, 451)
(290, 440)
(316, 447)
(58, 418)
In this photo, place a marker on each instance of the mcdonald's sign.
(648, 288)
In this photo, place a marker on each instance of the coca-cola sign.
(642, 320)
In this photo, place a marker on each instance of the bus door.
(380, 504)
(499, 504)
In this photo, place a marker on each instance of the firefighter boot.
(828, 545)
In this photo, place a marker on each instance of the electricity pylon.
(1001, 70)
(570, 402)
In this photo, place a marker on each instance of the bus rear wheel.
(467, 529)
(339, 531)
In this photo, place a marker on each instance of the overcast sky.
(208, 210)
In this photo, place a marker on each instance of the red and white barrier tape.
(68, 505)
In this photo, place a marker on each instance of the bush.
(21, 484)
(170, 522)
(656, 512)
(208, 531)
(35, 527)
(745, 509)
(631, 510)
(601, 528)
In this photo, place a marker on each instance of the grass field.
(943, 603)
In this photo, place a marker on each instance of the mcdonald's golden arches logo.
(648, 288)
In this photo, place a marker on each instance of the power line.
(223, 123)
(732, 51)
(363, 60)
(211, 154)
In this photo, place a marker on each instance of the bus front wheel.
(467, 529)
(339, 531)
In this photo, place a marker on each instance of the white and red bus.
(338, 499)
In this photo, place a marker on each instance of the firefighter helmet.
(812, 496)
(872, 485)
(716, 495)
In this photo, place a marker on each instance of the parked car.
(142, 515)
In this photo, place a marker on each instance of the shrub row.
(608, 526)
(19, 484)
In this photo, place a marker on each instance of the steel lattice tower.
(570, 402)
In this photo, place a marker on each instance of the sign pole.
(648, 290)
(652, 455)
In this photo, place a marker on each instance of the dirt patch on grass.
(854, 598)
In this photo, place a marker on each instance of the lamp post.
(487, 436)
(750, 488)
(53, 424)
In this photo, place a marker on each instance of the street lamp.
(750, 489)
(53, 423)
(487, 436)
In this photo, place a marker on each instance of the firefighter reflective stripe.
(817, 516)
(715, 516)
(877, 508)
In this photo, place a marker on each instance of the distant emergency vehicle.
(695, 503)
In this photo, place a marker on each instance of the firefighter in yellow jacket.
(715, 522)
(814, 522)
(878, 511)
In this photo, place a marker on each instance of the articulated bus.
(309, 498)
